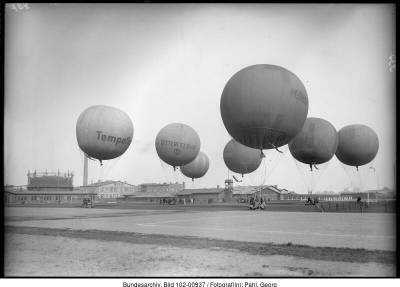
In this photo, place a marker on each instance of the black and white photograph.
(223, 140)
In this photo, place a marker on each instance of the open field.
(197, 243)
(381, 206)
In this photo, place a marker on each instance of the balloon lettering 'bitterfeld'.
(104, 132)
(177, 144)
(264, 106)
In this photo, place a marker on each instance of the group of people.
(172, 201)
(190, 201)
(314, 202)
(257, 204)
(164, 201)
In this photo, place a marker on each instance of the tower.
(229, 184)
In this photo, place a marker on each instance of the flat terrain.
(369, 231)
(169, 242)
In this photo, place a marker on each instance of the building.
(367, 195)
(156, 192)
(385, 193)
(243, 193)
(50, 181)
(45, 196)
(267, 192)
(207, 195)
(270, 193)
(161, 187)
(109, 189)
(152, 197)
(202, 195)
(45, 187)
(319, 196)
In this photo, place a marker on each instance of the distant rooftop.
(152, 194)
(157, 184)
(200, 191)
(100, 183)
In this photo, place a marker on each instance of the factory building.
(57, 188)
(45, 187)
(42, 181)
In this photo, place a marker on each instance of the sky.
(165, 63)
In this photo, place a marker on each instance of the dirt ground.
(181, 243)
(70, 253)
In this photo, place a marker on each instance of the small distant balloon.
(264, 106)
(197, 168)
(240, 158)
(316, 143)
(104, 132)
(358, 145)
(177, 144)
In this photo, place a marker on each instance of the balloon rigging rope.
(303, 178)
(347, 173)
(163, 169)
(112, 165)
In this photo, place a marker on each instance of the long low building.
(151, 197)
(204, 195)
(266, 192)
(43, 197)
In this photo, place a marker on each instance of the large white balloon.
(240, 158)
(197, 168)
(264, 106)
(104, 132)
(177, 144)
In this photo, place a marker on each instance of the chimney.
(85, 170)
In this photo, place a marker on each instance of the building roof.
(151, 194)
(273, 188)
(244, 190)
(252, 189)
(199, 191)
(106, 182)
(44, 192)
(161, 184)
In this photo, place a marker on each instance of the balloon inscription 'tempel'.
(114, 139)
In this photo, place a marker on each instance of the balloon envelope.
(197, 168)
(264, 106)
(104, 132)
(240, 158)
(358, 145)
(177, 144)
(316, 143)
